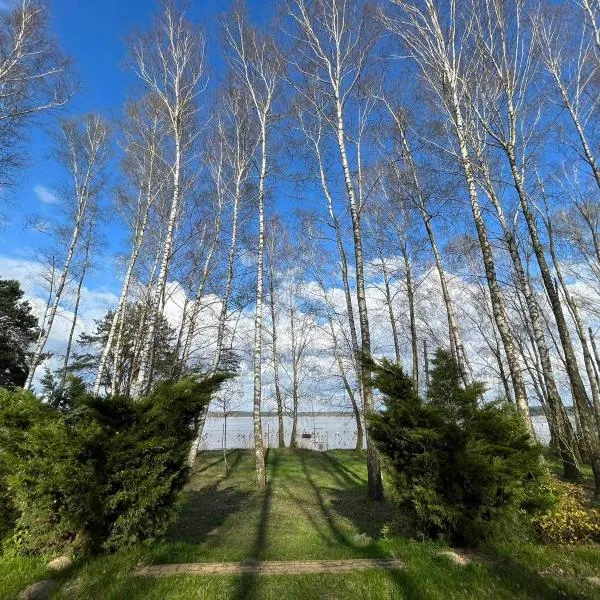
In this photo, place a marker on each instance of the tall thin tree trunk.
(276, 381)
(177, 367)
(259, 448)
(42, 324)
(295, 365)
(344, 270)
(115, 386)
(578, 389)
(201, 286)
(456, 345)
(555, 405)
(390, 307)
(294, 432)
(65, 368)
(426, 366)
(62, 282)
(118, 314)
(410, 295)
(143, 379)
(579, 329)
(374, 478)
(498, 307)
(594, 349)
(229, 277)
(224, 309)
(347, 386)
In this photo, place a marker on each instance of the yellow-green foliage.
(571, 519)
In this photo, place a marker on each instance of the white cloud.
(45, 195)
(321, 388)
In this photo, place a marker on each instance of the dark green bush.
(461, 469)
(103, 473)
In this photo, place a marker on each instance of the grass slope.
(313, 508)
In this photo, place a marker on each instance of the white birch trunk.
(555, 405)
(229, 277)
(84, 268)
(498, 308)
(275, 352)
(118, 314)
(82, 193)
(259, 450)
(143, 382)
(374, 478)
(189, 338)
(456, 345)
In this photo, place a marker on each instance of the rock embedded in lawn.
(38, 591)
(456, 558)
(60, 562)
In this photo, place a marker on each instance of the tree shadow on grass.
(247, 587)
(343, 475)
(514, 578)
(234, 458)
(207, 466)
(517, 578)
(367, 516)
(204, 512)
(201, 515)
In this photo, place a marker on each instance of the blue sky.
(93, 33)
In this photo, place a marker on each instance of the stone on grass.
(60, 562)
(38, 591)
(456, 558)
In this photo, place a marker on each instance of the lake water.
(314, 433)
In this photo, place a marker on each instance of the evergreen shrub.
(461, 469)
(102, 473)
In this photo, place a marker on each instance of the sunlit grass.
(314, 507)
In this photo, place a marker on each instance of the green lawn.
(314, 507)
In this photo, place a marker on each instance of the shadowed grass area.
(314, 507)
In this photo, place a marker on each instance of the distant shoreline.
(535, 411)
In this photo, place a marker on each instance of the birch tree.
(82, 148)
(211, 232)
(435, 43)
(424, 206)
(169, 61)
(34, 77)
(142, 132)
(300, 337)
(275, 242)
(88, 248)
(241, 143)
(255, 63)
(503, 95)
(334, 43)
(312, 126)
(556, 409)
(571, 60)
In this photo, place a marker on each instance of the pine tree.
(18, 331)
(86, 362)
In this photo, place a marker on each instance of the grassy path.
(313, 509)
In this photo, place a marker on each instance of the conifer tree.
(460, 466)
(18, 331)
